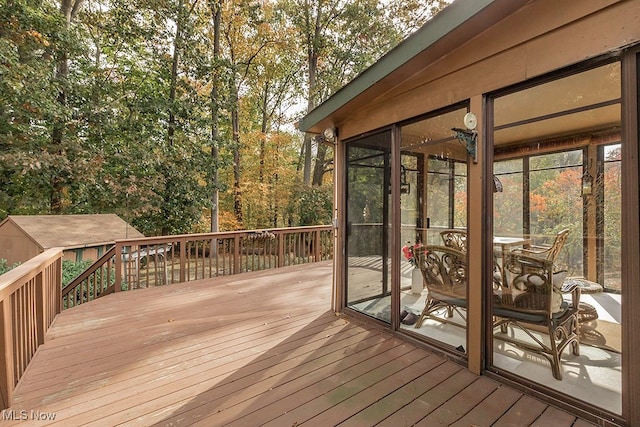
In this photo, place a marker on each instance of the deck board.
(259, 348)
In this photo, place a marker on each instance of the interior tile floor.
(594, 376)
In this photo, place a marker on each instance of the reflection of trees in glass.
(508, 207)
(409, 202)
(409, 199)
(366, 175)
(612, 214)
(460, 202)
(438, 200)
(554, 201)
(556, 204)
(447, 193)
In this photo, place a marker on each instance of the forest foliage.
(172, 112)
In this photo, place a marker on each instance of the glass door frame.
(387, 252)
(630, 136)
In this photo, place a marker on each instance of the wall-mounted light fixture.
(587, 183)
(468, 139)
(330, 134)
(469, 135)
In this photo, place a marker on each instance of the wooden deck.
(258, 348)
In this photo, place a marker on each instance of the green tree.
(146, 108)
(339, 39)
(31, 37)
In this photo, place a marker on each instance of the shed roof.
(457, 23)
(74, 231)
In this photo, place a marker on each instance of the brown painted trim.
(487, 143)
(396, 225)
(340, 182)
(630, 237)
(476, 188)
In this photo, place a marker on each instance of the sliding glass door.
(368, 264)
(557, 151)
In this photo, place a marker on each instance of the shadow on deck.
(259, 348)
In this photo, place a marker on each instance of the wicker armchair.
(444, 270)
(456, 239)
(533, 303)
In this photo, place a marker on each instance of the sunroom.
(487, 163)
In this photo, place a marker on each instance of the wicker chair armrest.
(575, 290)
(532, 250)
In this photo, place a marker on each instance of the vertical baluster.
(211, 260)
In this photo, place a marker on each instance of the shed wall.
(15, 246)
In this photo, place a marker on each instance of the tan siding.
(523, 46)
(15, 246)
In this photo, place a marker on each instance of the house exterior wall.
(542, 37)
(15, 246)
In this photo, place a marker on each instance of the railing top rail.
(71, 285)
(26, 271)
(221, 234)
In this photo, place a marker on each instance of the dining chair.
(547, 252)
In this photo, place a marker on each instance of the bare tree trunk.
(312, 63)
(318, 169)
(215, 116)
(263, 128)
(235, 125)
(69, 9)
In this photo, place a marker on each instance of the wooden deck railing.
(31, 295)
(154, 261)
(29, 302)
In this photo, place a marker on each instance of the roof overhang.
(456, 24)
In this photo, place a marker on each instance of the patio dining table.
(506, 244)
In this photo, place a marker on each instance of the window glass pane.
(436, 162)
(438, 192)
(460, 202)
(551, 125)
(611, 220)
(508, 206)
(432, 129)
(581, 90)
(556, 222)
(555, 203)
(367, 254)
